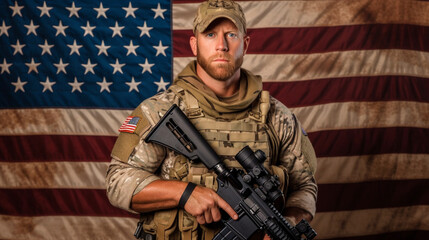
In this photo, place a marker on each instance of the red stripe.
(323, 39)
(326, 143)
(376, 88)
(49, 148)
(46, 202)
(354, 142)
(93, 202)
(128, 128)
(390, 236)
(370, 195)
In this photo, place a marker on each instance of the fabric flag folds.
(70, 72)
(354, 72)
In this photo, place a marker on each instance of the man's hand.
(295, 215)
(204, 205)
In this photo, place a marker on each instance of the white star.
(102, 48)
(159, 12)
(104, 85)
(31, 28)
(18, 47)
(32, 66)
(73, 10)
(16, 9)
(117, 67)
(101, 11)
(89, 67)
(133, 85)
(160, 49)
(60, 29)
(161, 85)
(145, 29)
(5, 66)
(19, 85)
(146, 66)
(47, 85)
(44, 9)
(116, 29)
(61, 67)
(76, 85)
(3, 29)
(131, 48)
(130, 10)
(74, 48)
(46, 48)
(88, 29)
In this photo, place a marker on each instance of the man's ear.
(193, 44)
(246, 42)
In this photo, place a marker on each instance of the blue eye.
(210, 35)
(232, 35)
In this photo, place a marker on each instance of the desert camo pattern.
(149, 162)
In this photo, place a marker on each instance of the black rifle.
(252, 194)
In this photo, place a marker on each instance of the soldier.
(227, 105)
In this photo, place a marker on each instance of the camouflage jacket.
(135, 164)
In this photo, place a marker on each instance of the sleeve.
(298, 156)
(134, 162)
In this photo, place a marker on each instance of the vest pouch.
(188, 225)
(180, 168)
(148, 223)
(165, 225)
(210, 230)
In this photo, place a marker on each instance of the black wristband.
(186, 194)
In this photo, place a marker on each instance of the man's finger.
(227, 208)
(216, 214)
(208, 216)
(201, 219)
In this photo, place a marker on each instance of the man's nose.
(221, 44)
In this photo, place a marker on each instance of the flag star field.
(83, 54)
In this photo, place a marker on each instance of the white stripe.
(66, 227)
(102, 122)
(59, 121)
(268, 14)
(355, 169)
(370, 222)
(128, 127)
(82, 175)
(91, 175)
(298, 67)
(353, 115)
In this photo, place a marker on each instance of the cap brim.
(203, 27)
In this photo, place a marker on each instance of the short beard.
(221, 72)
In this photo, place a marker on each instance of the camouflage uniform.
(135, 164)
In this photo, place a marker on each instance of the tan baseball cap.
(210, 10)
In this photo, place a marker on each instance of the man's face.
(220, 49)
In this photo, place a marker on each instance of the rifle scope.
(268, 184)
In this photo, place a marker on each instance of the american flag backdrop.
(356, 73)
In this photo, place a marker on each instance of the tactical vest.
(227, 138)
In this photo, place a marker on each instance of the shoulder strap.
(273, 136)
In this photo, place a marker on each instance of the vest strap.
(230, 126)
(194, 110)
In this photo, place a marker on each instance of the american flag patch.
(129, 125)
